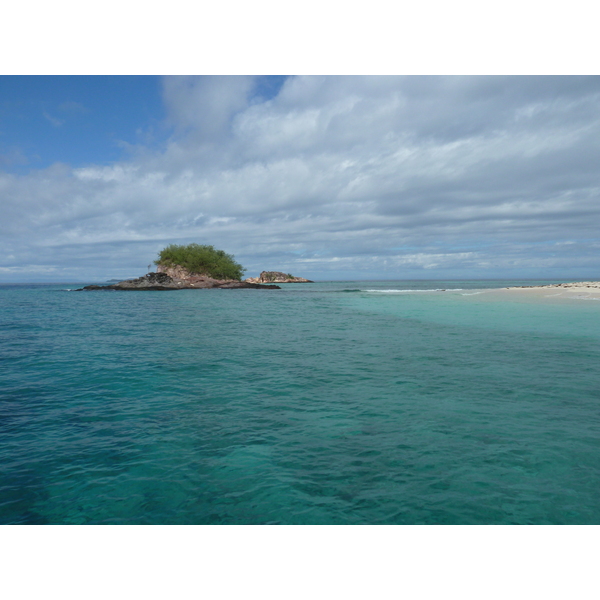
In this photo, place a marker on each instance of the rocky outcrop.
(152, 281)
(277, 277)
(177, 272)
(163, 282)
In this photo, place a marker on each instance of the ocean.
(355, 402)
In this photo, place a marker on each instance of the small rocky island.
(188, 267)
(277, 277)
(161, 281)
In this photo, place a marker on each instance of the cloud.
(13, 156)
(53, 120)
(73, 108)
(336, 177)
(203, 107)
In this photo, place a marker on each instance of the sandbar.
(576, 290)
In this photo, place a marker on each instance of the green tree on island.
(205, 260)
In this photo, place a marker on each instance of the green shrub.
(204, 260)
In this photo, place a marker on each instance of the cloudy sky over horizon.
(325, 177)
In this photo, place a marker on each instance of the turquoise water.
(329, 403)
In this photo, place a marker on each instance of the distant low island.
(277, 277)
(197, 266)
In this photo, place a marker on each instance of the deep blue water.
(329, 403)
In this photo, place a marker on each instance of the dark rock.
(241, 285)
(153, 282)
(149, 282)
(92, 287)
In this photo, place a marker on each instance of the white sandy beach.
(579, 290)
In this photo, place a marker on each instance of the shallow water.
(317, 403)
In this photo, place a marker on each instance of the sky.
(326, 177)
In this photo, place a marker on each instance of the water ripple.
(299, 407)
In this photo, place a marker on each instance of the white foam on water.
(411, 291)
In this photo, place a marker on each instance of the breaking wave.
(412, 291)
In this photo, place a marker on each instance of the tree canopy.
(201, 259)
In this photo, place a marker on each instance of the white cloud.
(203, 107)
(53, 120)
(470, 175)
